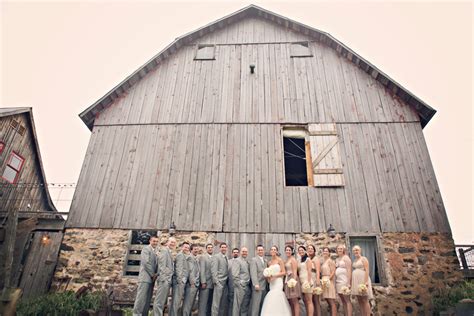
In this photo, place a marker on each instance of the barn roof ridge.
(4, 112)
(424, 111)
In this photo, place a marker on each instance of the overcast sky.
(60, 57)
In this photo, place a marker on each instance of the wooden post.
(12, 223)
(309, 164)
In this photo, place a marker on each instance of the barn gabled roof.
(27, 110)
(424, 111)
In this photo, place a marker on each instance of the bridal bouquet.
(269, 272)
(318, 290)
(362, 289)
(306, 286)
(345, 290)
(325, 282)
(291, 283)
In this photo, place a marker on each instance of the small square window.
(205, 52)
(13, 168)
(300, 49)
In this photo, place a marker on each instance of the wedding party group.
(250, 286)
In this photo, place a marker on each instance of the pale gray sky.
(60, 57)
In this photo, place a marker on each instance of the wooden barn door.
(40, 263)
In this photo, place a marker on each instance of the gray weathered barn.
(259, 129)
(30, 227)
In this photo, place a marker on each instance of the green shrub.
(60, 304)
(449, 297)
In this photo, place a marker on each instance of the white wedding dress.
(275, 303)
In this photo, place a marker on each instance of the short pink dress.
(342, 278)
(358, 276)
(294, 292)
(330, 291)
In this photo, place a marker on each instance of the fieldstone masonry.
(415, 265)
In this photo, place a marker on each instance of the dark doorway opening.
(295, 161)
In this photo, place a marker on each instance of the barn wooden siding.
(230, 177)
(24, 145)
(323, 88)
(200, 143)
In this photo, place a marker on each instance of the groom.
(259, 288)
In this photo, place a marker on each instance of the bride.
(275, 303)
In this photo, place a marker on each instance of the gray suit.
(146, 275)
(256, 276)
(181, 276)
(205, 295)
(230, 286)
(219, 272)
(241, 281)
(165, 275)
(192, 285)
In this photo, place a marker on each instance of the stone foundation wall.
(96, 258)
(414, 265)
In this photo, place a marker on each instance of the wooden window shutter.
(325, 155)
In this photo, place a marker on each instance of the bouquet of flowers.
(291, 283)
(306, 286)
(345, 290)
(325, 282)
(362, 289)
(269, 272)
(318, 290)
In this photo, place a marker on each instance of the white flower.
(325, 282)
(362, 289)
(306, 286)
(291, 283)
(345, 290)
(268, 272)
(317, 290)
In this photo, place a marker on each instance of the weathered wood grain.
(199, 142)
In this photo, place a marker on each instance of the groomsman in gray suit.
(146, 278)
(165, 276)
(241, 281)
(259, 282)
(192, 286)
(230, 281)
(207, 287)
(181, 275)
(219, 271)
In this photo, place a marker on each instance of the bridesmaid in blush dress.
(360, 275)
(343, 277)
(316, 275)
(328, 271)
(304, 272)
(292, 294)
